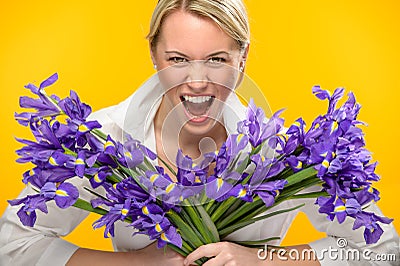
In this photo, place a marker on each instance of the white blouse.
(42, 245)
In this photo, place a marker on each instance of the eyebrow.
(210, 55)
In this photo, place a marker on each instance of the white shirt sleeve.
(355, 251)
(41, 244)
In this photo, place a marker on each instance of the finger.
(209, 250)
(217, 261)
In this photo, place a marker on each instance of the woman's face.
(197, 63)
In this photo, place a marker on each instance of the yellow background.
(99, 49)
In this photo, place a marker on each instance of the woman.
(189, 42)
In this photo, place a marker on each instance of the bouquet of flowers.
(195, 208)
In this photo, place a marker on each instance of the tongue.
(197, 109)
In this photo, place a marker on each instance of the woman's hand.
(149, 255)
(225, 253)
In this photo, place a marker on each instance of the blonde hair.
(230, 16)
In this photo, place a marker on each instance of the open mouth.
(197, 107)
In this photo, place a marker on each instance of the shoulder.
(108, 125)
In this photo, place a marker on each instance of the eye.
(216, 60)
(177, 60)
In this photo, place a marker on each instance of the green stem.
(230, 229)
(209, 205)
(99, 134)
(301, 175)
(286, 195)
(257, 242)
(310, 195)
(84, 205)
(245, 208)
(231, 209)
(207, 222)
(167, 165)
(222, 208)
(185, 230)
(251, 209)
(192, 219)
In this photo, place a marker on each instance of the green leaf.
(185, 230)
(301, 175)
(231, 209)
(99, 134)
(257, 242)
(243, 210)
(84, 205)
(221, 209)
(196, 220)
(187, 218)
(310, 195)
(167, 165)
(208, 223)
(226, 231)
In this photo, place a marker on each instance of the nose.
(197, 79)
(197, 86)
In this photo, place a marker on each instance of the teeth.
(198, 99)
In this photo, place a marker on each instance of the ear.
(245, 53)
(152, 54)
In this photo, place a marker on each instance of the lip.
(200, 119)
(197, 119)
(195, 95)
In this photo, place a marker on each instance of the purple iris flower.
(110, 146)
(373, 231)
(236, 143)
(159, 227)
(80, 164)
(242, 192)
(217, 188)
(131, 142)
(34, 152)
(367, 195)
(99, 177)
(59, 159)
(294, 163)
(117, 212)
(324, 94)
(255, 126)
(27, 213)
(172, 193)
(227, 155)
(132, 153)
(265, 168)
(146, 208)
(46, 140)
(192, 177)
(185, 174)
(268, 191)
(74, 108)
(297, 129)
(65, 194)
(43, 106)
(128, 188)
(342, 209)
